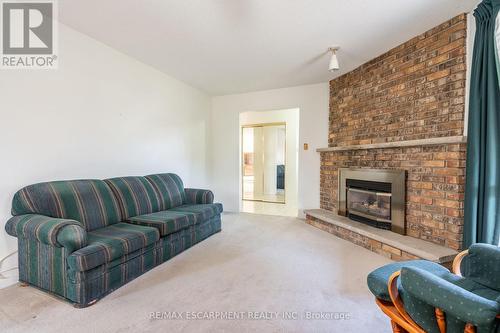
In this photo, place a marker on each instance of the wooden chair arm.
(398, 323)
(441, 320)
(398, 302)
(411, 326)
(457, 262)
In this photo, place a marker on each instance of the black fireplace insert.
(369, 202)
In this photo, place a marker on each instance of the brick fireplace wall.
(414, 91)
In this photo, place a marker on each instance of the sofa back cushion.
(89, 202)
(170, 190)
(136, 196)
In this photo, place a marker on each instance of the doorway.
(269, 147)
(264, 162)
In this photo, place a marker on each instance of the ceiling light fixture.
(334, 62)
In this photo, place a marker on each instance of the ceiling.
(232, 46)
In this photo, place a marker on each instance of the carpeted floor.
(273, 272)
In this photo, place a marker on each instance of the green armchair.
(421, 296)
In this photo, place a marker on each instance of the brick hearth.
(415, 91)
(383, 242)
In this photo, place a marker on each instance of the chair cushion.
(420, 311)
(475, 288)
(167, 221)
(446, 293)
(482, 265)
(109, 243)
(135, 195)
(169, 188)
(206, 210)
(378, 279)
(90, 202)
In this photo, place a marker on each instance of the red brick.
(414, 91)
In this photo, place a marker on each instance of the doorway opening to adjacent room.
(264, 162)
(269, 162)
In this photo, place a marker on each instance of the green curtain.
(482, 189)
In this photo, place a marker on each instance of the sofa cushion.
(110, 243)
(169, 188)
(206, 210)
(135, 195)
(378, 279)
(90, 202)
(167, 221)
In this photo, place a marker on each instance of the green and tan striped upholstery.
(47, 230)
(85, 286)
(135, 195)
(90, 202)
(197, 196)
(82, 239)
(110, 243)
(169, 188)
(167, 221)
(43, 265)
(206, 210)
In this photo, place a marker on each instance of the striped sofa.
(82, 239)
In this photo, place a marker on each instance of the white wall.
(101, 114)
(312, 100)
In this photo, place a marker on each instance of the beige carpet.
(259, 266)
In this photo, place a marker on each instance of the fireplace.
(375, 197)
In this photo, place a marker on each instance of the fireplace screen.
(369, 204)
(374, 197)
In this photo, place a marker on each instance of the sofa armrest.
(449, 298)
(198, 196)
(48, 230)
